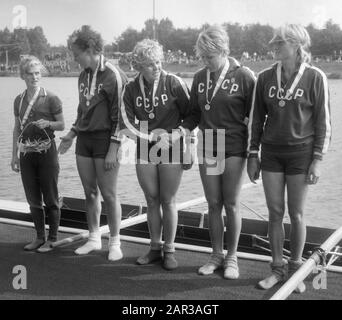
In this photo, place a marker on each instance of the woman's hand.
(175, 136)
(15, 164)
(66, 142)
(111, 159)
(314, 172)
(42, 124)
(253, 169)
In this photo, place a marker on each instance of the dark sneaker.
(150, 257)
(170, 262)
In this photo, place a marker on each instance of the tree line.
(27, 41)
(251, 38)
(243, 38)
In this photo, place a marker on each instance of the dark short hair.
(86, 38)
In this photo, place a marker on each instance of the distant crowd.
(56, 63)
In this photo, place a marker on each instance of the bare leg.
(232, 182)
(274, 188)
(169, 180)
(87, 172)
(148, 178)
(297, 189)
(107, 181)
(213, 193)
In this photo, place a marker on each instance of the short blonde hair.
(297, 35)
(145, 52)
(28, 62)
(212, 40)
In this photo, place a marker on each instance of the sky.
(59, 18)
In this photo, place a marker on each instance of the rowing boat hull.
(192, 227)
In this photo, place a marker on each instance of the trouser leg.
(31, 183)
(48, 173)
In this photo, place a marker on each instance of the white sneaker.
(215, 262)
(46, 247)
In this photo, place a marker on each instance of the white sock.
(94, 243)
(115, 252)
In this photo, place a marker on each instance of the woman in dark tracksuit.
(159, 101)
(38, 113)
(220, 100)
(290, 118)
(96, 127)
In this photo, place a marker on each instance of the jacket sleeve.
(192, 120)
(129, 127)
(249, 83)
(257, 118)
(182, 92)
(322, 120)
(79, 113)
(114, 92)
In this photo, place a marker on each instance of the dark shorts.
(149, 152)
(232, 154)
(290, 160)
(219, 155)
(93, 144)
(211, 150)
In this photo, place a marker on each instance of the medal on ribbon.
(91, 88)
(290, 91)
(149, 108)
(224, 71)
